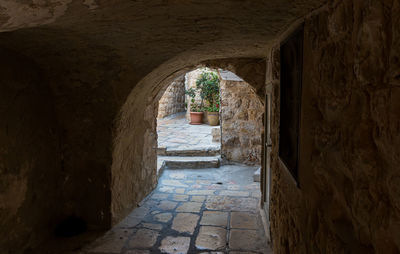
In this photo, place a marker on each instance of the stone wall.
(348, 199)
(30, 155)
(241, 122)
(173, 99)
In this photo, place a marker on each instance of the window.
(291, 58)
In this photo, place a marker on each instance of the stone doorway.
(236, 140)
(180, 144)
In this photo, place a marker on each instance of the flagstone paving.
(193, 211)
(175, 133)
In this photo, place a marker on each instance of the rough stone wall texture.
(349, 195)
(241, 123)
(173, 99)
(30, 154)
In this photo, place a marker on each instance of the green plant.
(194, 107)
(208, 84)
(191, 92)
(213, 108)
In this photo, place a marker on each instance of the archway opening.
(192, 205)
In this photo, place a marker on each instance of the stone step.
(206, 151)
(178, 162)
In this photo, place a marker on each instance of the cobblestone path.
(193, 211)
(175, 132)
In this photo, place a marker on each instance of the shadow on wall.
(30, 156)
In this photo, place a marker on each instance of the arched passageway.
(195, 206)
(79, 79)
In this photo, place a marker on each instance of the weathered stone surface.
(201, 192)
(160, 196)
(185, 222)
(112, 242)
(243, 220)
(173, 99)
(143, 238)
(189, 207)
(163, 217)
(211, 238)
(179, 197)
(167, 189)
(241, 118)
(167, 205)
(234, 193)
(244, 240)
(216, 134)
(180, 190)
(347, 135)
(175, 183)
(152, 226)
(175, 245)
(214, 218)
(198, 198)
(231, 203)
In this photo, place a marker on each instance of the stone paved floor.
(193, 211)
(175, 132)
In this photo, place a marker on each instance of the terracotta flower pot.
(213, 118)
(196, 118)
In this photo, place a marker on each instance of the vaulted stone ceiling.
(144, 34)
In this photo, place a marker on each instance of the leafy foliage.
(208, 84)
(194, 107)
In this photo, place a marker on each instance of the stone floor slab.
(189, 207)
(167, 205)
(175, 245)
(112, 242)
(149, 225)
(159, 196)
(240, 239)
(211, 238)
(231, 203)
(185, 222)
(175, 132)
(173, 182)
(234, 193)
(180, 190)
(152, 226)
(180, 197)
(243, 220)
(163, 217)
(214, 218)
(201, 192)
(198, 199)
(143, 238)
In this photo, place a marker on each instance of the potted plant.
(208, 84)
(213, 114)
(196, 112)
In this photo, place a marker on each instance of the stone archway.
(134, 157)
